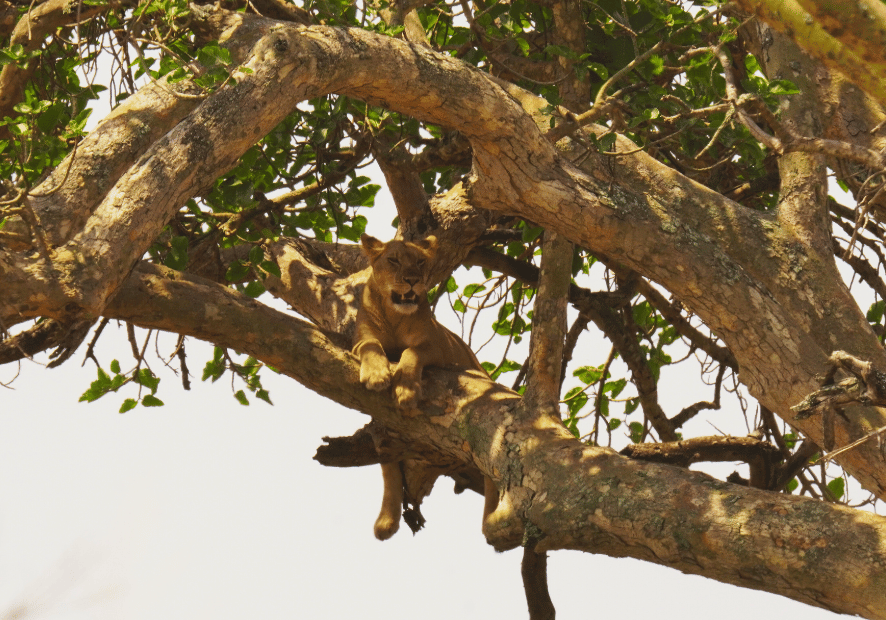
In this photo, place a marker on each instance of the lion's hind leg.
(388, 521)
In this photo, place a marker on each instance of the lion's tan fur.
(396, 321)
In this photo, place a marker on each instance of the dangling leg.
(388, 521)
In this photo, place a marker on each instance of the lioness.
(396, 321)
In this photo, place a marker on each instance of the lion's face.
(400, 270)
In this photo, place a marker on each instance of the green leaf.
(875, 312)
(473, 289)
(97, 388)
(254, 289)
(177, 258)
(792, 485)
(588, 374)
(115, 367)
(151, 401)
(12, 54)
(147, 378)
(636, 432)
(631, 405)
(127, 405)
(614, 388)
(750, 63)
(256, 254)
(837, 487)
(575, 400)
(264, 395)
(531, 233)
(271, 267)
(90, 395)
(213, 369)
(237, 271)
(459, 306)
(212, 54)
(599, 69)
(783, 87)
(571, 425)
(606, 143)
(657, 63)
(241, 397)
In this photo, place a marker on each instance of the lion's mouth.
(406, 299)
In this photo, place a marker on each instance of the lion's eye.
(420, 262)
(394, 261)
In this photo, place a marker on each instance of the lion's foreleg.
(375, 371)
(388, 521)
(407, 377)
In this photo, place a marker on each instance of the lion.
(395, 324)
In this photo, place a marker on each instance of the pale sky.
(205, 508)
(208, 509)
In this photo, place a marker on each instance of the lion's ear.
(372, 247)
(429, 245)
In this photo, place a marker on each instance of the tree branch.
(548, 326)
(703, 449)
(842, 51)
(581, 497)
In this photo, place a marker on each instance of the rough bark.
(845, 36)
(564, 494)
(765, 283)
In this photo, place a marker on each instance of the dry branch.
(581, 498)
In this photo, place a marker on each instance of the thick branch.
(844, 48)
(581, 498)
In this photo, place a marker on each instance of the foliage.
(650, 61)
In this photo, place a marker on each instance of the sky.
(205, 508)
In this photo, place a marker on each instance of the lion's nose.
(411, 281)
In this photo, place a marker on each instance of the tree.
(681, 152)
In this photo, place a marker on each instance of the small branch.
(548, 326)
(73, 338)
(31, 341)
(182, 360)
(785, 140)
(42, 336)
(692, 410)
(877, 433)
(794, 465)
(672, 314)
(578, 326)
(534, 570)
(408, 191)
(358, 450)
(703, 449)
(867, 386)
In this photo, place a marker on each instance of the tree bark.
(764, 283)
(562, 493)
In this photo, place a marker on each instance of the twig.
(835, 453)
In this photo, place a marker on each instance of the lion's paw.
(375, 378)
(408, 395)
(386, 526)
